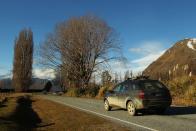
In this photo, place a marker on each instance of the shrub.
(77, 92)
(80, 92)
(92, 91)
(191, 92)
(179, 86)
(105, 88)
(72, 92)
(183, 90)
(102, 91)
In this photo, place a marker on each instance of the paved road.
(175, 118)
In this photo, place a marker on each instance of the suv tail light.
(141, 95)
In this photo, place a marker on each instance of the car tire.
(131, 108)
(107, 106)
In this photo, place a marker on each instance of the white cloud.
(146, 47)
(37, 72)
(135, 50)
(5, 73)
(145, 61)
(44, 73)
(5, 76)
(148, 51)
(120, 66)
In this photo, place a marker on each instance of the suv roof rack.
(142, 77)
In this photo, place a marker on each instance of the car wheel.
(131, 108)
(107, 106)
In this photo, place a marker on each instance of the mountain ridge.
(179, 60)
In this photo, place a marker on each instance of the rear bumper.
(152, 104)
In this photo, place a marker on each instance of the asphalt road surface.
(174, 119)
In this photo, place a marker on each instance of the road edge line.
(110, 117)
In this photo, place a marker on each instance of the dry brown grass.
(6, 111)
(61, 118)
(17, 114)
(183, 90)
(183, 102)
(3, 96)
(32, 113)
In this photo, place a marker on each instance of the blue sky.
(146, 27)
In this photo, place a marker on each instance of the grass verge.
(62, 118)
(32, 113)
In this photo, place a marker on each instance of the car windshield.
(152, 85)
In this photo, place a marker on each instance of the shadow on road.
(117, 109)
(181, 110)
(170, 111)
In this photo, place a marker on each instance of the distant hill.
(6, 83)
(177, 61)
(37, 84)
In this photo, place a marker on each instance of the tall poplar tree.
(23, 60)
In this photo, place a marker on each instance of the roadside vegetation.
(89, 92)
(183, 90)
(94, 90)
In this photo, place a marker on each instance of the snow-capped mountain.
(177, 61)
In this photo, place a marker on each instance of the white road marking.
(127, 122)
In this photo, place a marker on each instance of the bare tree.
(127, 75)
(23, 59)
(116, 79)
(80, 45)
(106, 77)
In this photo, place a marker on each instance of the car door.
(113, 97)
(123, 95)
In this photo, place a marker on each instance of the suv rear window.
(151, 85)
